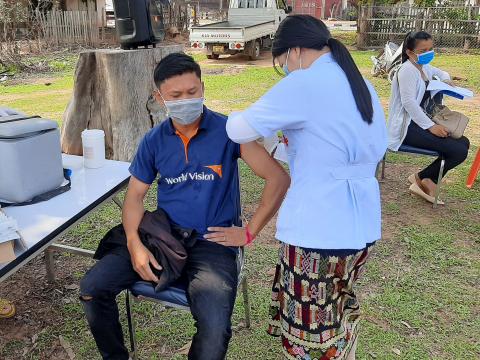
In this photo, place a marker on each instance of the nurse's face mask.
(285, 69)
(184, 111)
(285, 66)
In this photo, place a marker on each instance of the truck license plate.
(218, 49)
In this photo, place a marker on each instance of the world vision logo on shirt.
(216, 168)
(196, 176)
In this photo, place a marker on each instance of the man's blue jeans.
(211, 278)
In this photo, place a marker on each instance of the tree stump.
(112, 92)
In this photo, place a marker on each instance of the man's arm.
(277, 183)
(132, 215)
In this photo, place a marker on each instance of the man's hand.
(229, 236)
(132, 215)
(141, 260)
(439, 130)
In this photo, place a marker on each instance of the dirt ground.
(265, 60)
(38, 303)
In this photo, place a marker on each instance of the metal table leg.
(50, 262)
(50, 265)
(117, 201)
(49, 259)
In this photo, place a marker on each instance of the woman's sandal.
(415, 189)
(7, 309)
(412, 179)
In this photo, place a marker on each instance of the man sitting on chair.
(198, 189)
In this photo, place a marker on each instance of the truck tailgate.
(219, 32)
(227, 31)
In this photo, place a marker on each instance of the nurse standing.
(335, 133)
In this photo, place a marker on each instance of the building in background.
(321, 9)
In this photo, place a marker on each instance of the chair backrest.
(240, 221)
(238, 200)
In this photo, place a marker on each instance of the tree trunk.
(112, 92)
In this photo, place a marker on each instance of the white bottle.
(93, 142)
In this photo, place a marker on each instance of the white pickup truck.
(250, 27)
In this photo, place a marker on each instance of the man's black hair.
(173, 65)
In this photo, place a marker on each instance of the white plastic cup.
(93, 142)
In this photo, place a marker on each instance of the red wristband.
(249, 235)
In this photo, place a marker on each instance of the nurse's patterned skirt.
(314, 308)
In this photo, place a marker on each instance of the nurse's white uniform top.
(334, 198)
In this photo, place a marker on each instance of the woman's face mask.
(184, 112)
(425, 58)
(285, 66)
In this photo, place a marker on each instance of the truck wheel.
(254, 52)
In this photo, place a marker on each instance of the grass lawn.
(420, 293)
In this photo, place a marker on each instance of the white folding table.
(43, 223)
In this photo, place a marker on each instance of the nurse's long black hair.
(305, 31)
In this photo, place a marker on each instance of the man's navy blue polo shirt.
(198, 178)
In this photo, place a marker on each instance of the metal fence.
(451, 27)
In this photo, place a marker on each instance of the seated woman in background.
(410, 113)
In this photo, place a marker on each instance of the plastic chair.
(474, 170)
(425, 152)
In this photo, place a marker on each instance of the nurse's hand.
(227, 236)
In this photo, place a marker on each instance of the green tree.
(425, 3)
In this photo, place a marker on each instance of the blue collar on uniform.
(205, 123)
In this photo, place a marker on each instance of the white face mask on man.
(185, 111)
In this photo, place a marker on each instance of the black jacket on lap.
(167, 243)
